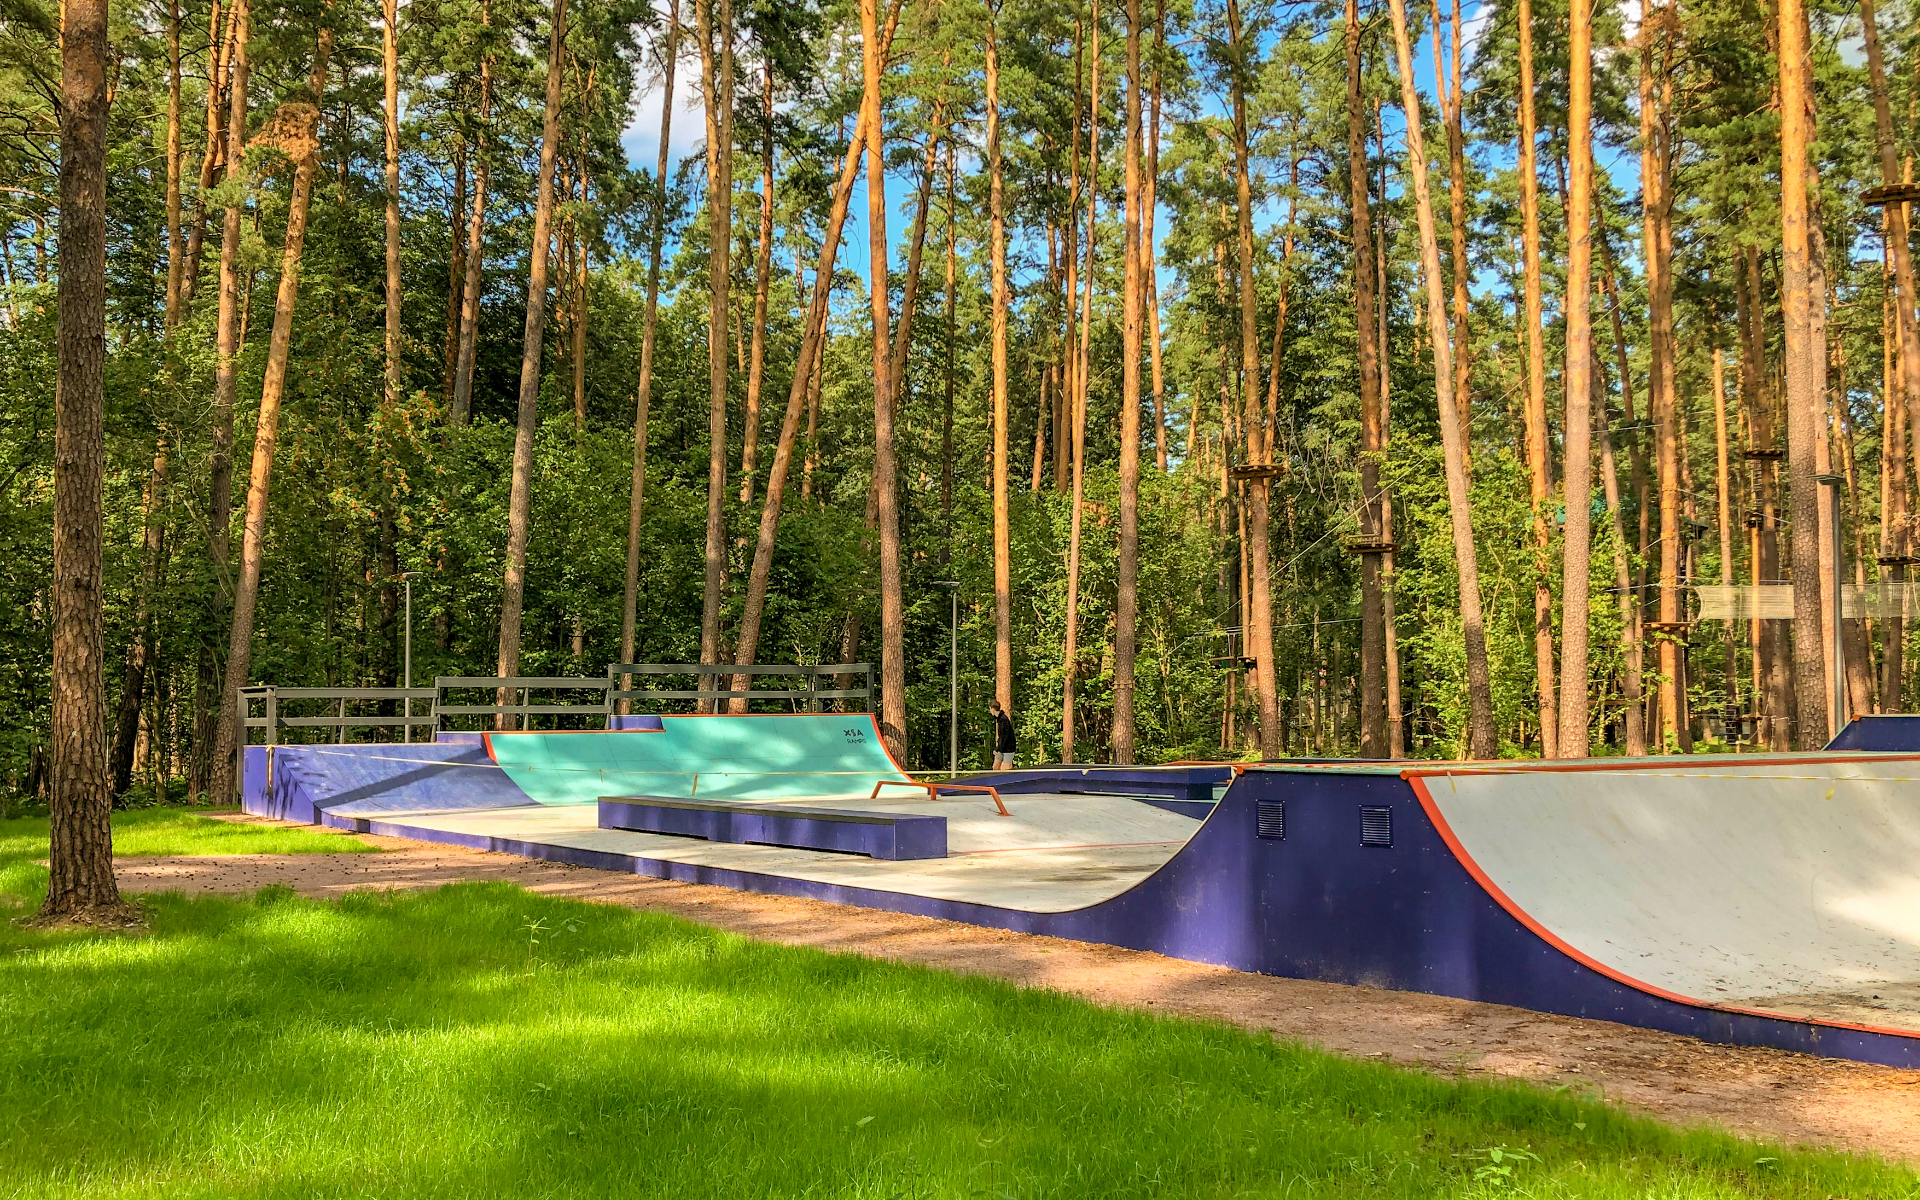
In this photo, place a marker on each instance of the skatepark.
(1749, 900)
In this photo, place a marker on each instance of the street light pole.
(952, 588)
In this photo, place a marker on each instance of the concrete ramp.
(1781, 887)
(302, 783)
(1885, 733)
(749, 757)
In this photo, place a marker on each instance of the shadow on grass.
(480, 1040)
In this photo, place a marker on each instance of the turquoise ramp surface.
(719, 757)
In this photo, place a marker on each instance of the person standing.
(1003, 739)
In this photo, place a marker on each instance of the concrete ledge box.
(848, 831)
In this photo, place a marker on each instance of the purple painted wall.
(845, 831)
(1313, 904)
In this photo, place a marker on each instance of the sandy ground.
(1792, 1098)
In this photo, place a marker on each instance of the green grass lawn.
(482, 1041)
(164, 831)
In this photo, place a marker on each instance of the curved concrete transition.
(1769, 901)
(1784, 887)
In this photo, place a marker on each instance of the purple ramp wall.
(300, 783)
(1313, 873)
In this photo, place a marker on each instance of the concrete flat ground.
(1781, 1096)
(1053, 854)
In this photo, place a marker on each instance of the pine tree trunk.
(229, 335)
(1902, 388)
(1149, 206)
(1070, 657)
(997, 253)
(1127, 592)
(390, 60)
(80, 886)
(812, 339)
(219, 44)
(1632, 612)
(462, 409)
(1669, 733)
(140, 648)
(1462, 268)
(763, 283)
(946, 414)
(456, 269)
(716, 78)
(303, 146)
(893, 666)
(1396, 726)
(1805, 363)
(1723, 498)
(176, 258)
(1572, 741)
(520, 495)
(1070, 238)
(1481, 740)
(1539, 466)
(1374, 740)
(656, 230)
(578, 310)
(1258, 601)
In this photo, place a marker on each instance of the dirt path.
(1771, 1094)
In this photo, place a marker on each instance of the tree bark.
(140, 649)
(1539, 467)
(176, 259)
(716, 79)
(456, 269)
(219, 46)
(1805, 366)
(1632, 611)
(1457, 206)
(1070, 657)
(997, 254)
(1573, 739)
(656, 231)
(893, 666)
(763, 283)
(578, 306)
(1481, 740)
(462, 409)
(1070, 238)
(1669, 733)
(80, 886)
(390, 61)
(1258, 601)
(811, 342)
(1723, 497)
(1127, 591)
(1374, 742)
(1902, 388)
(520, 495)
(230, 333)
(1149, 206)
(946, 414)
(301, 143)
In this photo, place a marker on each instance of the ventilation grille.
(1270, 820)
(1376, 826)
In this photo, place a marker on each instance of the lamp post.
(1836, 659)
(952, 588)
